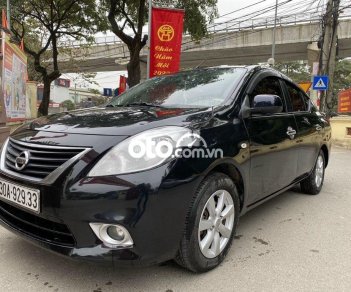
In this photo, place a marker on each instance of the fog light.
(115, 232)
(112, 235)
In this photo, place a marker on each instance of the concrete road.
(295, 242)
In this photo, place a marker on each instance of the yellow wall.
(31, 93)
(339, 132)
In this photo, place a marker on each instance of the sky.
(230, 11)
(111, 79)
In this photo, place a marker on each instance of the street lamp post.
(149, 41)
(274, 31)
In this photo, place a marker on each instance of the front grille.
(43, 159)
(35, 226)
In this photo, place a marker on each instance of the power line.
(225, 37)
(221, 30)
(237, 10)
(255, 13)
(221, 39)
(252, 15)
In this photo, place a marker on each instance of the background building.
(78, 95)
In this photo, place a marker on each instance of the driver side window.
(268, 85)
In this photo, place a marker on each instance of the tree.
(99, 100)
(52, 21)
(95, 91)
(32, 74)
(131, 16)
(68, 104)
(342, 81)
(296, 71)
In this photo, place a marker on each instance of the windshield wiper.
(143, 104)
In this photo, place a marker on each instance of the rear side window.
(298, 100)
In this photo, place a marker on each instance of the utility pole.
(328, 51)
(8, 12)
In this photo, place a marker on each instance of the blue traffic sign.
(107, 91)
(320, 82)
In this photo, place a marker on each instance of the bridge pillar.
(313, 53)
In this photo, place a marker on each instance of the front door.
(273, 151)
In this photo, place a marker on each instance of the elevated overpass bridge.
(232, 45)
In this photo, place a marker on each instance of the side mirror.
(266, 104)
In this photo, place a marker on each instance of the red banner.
(344, 105)
(166, 40)
(122, 84)
(4, 19)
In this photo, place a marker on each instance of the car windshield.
(190, 89)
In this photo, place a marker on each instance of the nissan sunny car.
(164, 170)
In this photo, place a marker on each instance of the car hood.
(123, 121)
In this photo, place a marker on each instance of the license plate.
(19, 195)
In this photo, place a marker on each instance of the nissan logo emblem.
(22, 160)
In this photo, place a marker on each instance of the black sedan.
(165, 170)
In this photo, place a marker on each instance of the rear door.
(308, 128)
(272, 144)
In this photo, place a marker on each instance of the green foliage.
(95, 91)
(75, 18)
(197, 13)
(84, 79)
(33, 40)
(197, 16)
(68, 104)
(296, 71)
(32, 74)
(99, 100)
(44, 25)
(125, 16)
(342, 79)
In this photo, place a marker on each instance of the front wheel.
(211, 224)
(314, 182)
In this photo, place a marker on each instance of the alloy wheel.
(319, 172)
(216, 223)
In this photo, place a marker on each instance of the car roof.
(252, 68)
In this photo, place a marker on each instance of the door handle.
(306, 121)
(291, 132)
(318, 127)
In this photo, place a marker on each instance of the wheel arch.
(234, 173)
(325, 150)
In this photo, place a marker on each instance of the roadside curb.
(342, 144)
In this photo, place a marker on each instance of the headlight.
(142, 151)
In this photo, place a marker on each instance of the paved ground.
(295, 242)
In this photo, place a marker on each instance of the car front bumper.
(151, 205)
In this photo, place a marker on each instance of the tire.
(213, 190)
(314, 182)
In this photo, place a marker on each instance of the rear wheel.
(211, 224)
(314, 182)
